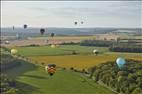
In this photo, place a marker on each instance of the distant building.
(109, 36)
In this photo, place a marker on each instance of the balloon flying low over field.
(14, 51)
(6, 42)
(95, 51)
(53, 46)
(120, 62)
(50, 68)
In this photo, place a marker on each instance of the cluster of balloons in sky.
(75, 23)
(42, 30)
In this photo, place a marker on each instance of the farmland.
(34, 80)
(51, 40)
(62, 55)
(61, 50)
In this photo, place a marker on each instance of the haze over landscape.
(64, 13)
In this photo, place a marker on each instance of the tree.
(137, 91)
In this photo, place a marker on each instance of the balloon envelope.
(51, 65)
(6, 42)
(42, 31)
(13, 51)
(120, 62)
(53, 46)
(75, 23)
(13, 28)
(25, 26)
(94, 51)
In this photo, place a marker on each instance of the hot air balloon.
(6, 42)
(51, 65)
(75, 23)
(120, 62)
(42, 30)
(53, 46)
(52, 34)
(95, 51)
(14, 51)
(25, 26)
(50, 68)
(13, 27)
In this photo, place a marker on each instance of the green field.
(62, 55)
(61, 50)
(34, 80)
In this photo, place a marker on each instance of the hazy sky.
(65, 13)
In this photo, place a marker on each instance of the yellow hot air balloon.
(14, 51)
(53, 46)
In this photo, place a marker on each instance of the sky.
(64, 13)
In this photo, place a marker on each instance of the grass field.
(62, 56)
(61, 50)
(34, 80)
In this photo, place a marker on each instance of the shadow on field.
(26, 88)
(34, 76)
(21, 69)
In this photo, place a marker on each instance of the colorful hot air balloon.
(120, 62)
(51, 68)
(42, 30)
(14, 51)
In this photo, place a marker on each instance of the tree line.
(115, 46)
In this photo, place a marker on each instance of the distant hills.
(65, 31)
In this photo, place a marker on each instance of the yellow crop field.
(79, 61)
